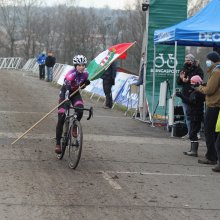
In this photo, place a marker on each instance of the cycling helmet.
(79, 60)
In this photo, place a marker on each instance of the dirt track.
(128, 169)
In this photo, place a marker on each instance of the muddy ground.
(128, 169)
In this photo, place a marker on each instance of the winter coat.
(212, 88)
(41, 59)
(110, 74)
(50, 61)
(190, 71)
(141, 77)
(195, 102)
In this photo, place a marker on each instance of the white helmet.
(79, 59)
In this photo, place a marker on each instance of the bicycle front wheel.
(75, 144)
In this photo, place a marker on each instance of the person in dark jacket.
(50, 62)
(212, 98)
(108, 81)
(190, 68)
(141, 75)
(195, 101)
(41, 62)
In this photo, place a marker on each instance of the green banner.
(163, 14)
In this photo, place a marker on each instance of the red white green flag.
(101, 63)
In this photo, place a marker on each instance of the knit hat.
(213, 56)
(190, 57)
(196, 79)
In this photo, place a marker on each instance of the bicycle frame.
(69, 123)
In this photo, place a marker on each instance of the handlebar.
(90, 110)
(90, 113)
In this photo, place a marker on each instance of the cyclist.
(76, 77)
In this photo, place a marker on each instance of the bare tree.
(195, 6)
(27, 20)
(9, 25)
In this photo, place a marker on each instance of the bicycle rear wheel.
(63, 148)
(75, 144)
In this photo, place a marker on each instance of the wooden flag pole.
(45, 116)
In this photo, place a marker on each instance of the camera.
(145, 5)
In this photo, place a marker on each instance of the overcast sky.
(114, 4)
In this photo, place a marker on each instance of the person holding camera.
(108, 81)
(195, 101)
(190, 68)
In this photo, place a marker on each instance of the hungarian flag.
(101, 63)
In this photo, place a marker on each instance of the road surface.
(128, 169)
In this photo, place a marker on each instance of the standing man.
(108, 81)
(41, 62)
(50, 62)
(212, 98)
(190, 68)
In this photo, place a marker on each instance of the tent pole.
(174, 75)
(153, 92)
(145, 67)
(174, 85)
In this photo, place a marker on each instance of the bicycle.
(73, 137)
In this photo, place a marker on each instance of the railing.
(11, 63)
(120, 91)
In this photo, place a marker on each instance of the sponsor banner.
(124, 97)
(163, 15)
(119, 90)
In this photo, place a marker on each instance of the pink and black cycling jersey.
(73, 79)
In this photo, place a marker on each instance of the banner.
(163, 14)
(120, 91)
(124, 97)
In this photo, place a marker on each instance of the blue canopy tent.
(203, 30)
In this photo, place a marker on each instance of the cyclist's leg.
(78, 102)
(60, 122)
(59, 127)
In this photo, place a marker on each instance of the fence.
(120, 91)
(10, 63)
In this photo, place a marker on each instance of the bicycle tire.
(63, 148)
(75, 145)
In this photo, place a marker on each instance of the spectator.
(108, 81)
(141, 75)
(139, 82)
(50, 62)
(217, 145)
(41, 62)
(190, 68)
(195, 111)
(212, 98)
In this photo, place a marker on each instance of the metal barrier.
(32, 66)
(10, 62)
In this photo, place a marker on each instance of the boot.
(194, 149)
(216, 168)
(58, 149)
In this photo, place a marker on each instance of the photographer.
(190, 68)
(195, 101)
